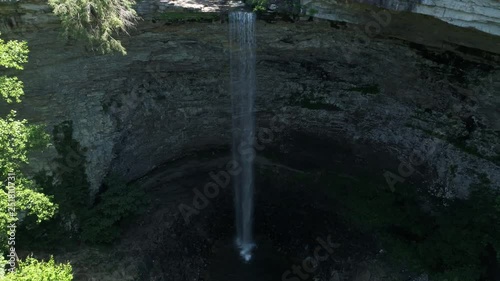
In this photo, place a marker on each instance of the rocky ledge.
(483, 15)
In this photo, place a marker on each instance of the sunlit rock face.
(483, 15)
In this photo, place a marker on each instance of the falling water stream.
(242, 40)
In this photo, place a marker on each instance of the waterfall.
(242, 46)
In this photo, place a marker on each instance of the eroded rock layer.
(169, 96)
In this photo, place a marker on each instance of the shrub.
(116, 203)
(33, 270)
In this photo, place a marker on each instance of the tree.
(18, 194)
(96, 21)
(17, 137)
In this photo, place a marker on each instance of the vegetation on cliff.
(98, 22)
(21, 197)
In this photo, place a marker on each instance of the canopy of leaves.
(33, 270)
(11, 89)
(13, 54)
(96, 21)
(17, 137)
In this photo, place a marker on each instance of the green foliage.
(13, 54)
(115, 204)
(99, 223)
(11, 89)
(29, 199)
(17, 137)
(258, 5)
(70, 190)
(14, 138)
(96, 21)
(33, 270)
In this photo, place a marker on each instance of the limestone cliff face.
(382, 97)
(483, 15)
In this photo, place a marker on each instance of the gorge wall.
(378, 96)
(483, 15)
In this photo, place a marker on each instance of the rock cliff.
(483, 15)
(382, 96)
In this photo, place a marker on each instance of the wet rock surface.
(389, 100)
(291, 222)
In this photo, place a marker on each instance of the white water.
(242, 46)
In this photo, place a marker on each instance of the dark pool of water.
(227, 265)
